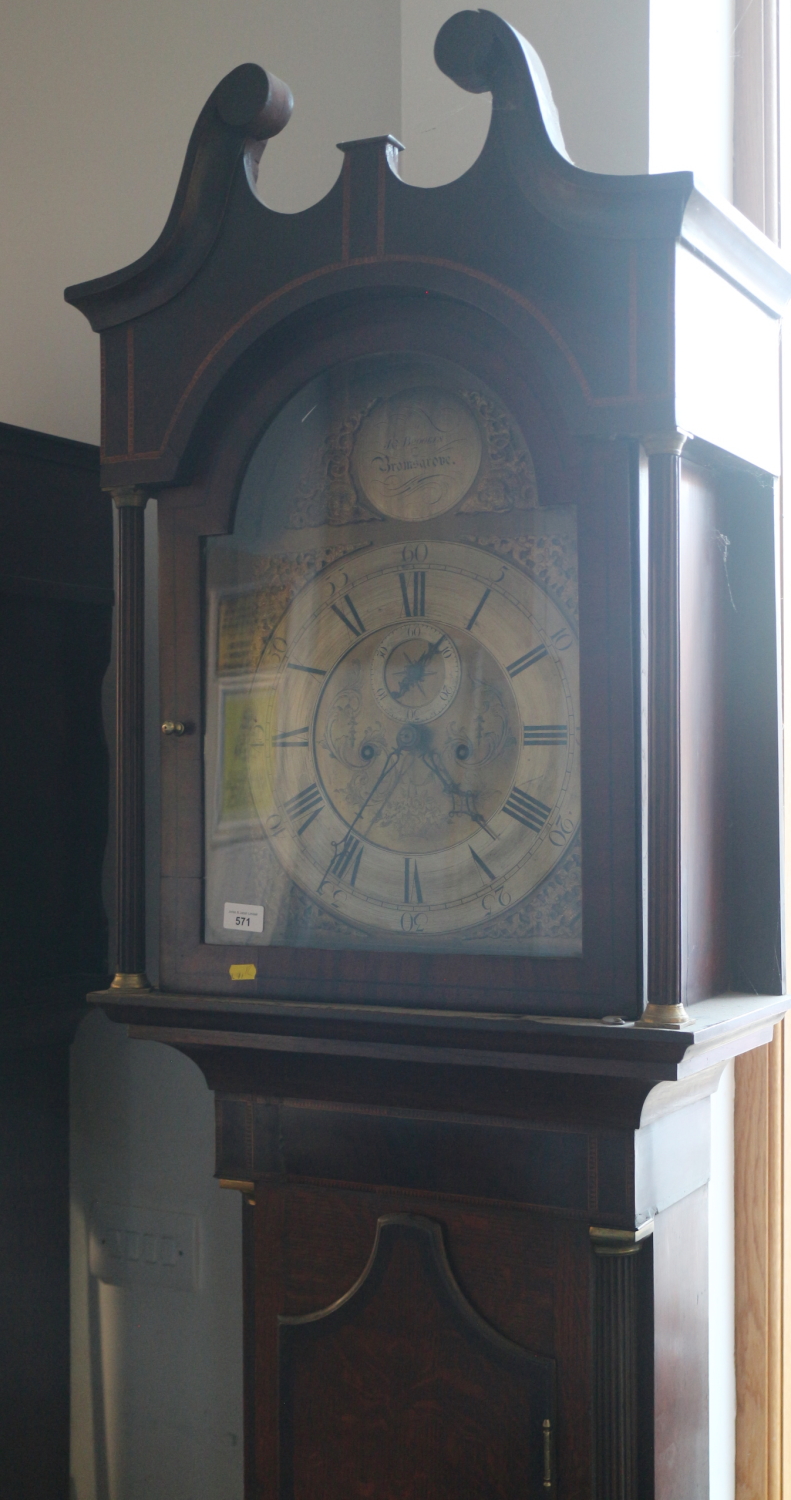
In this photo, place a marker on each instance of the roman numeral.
(296, 737)
(418, 594)
(350, 850)
(309, 801)
(315, 671)
(527, 810)
(357, 628)
(546, 734)
(481, 864)
(412, 882)
(478, 608)
(528, 660)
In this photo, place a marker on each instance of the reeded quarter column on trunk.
(615, 1363)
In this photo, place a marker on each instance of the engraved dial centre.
(434, 777)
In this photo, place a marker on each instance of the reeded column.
(615, 1364)
(664, 1007)
(129, 725)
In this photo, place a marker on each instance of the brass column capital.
(131, 496)
(664, 442)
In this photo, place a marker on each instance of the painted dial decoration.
(421, 771)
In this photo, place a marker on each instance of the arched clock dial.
(422, 766)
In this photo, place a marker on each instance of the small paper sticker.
(243, 971)
(243, 918)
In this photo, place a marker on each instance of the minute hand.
(385, 771)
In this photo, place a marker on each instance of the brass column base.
(619, 1241)
(667, 1017)
(130, 982)
(240, 1186)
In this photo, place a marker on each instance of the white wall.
(97, 100)
(691, 90)
(156, 1373)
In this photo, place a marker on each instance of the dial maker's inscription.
(417, 454)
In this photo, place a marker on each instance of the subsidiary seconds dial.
(415, 671)
(420, 765)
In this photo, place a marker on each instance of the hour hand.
(482, 823)
(429, 758)
(454, 790)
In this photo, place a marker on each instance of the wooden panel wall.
(759, 1126)
(756, 144)
(55, 616)
(761, 1113)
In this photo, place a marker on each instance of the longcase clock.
(470, 789)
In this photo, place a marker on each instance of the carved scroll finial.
(253, 102)
(482, 53)
(245, 110)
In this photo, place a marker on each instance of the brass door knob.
(173, 726)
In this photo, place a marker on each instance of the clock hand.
(388, 766)
(411, 737)
(454, 790)
(409, 677)
(386, 769)
(482, 823)
(383, 804)
(430, 759)
(413, 674)
(432, 650)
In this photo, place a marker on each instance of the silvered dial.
(421, 732)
